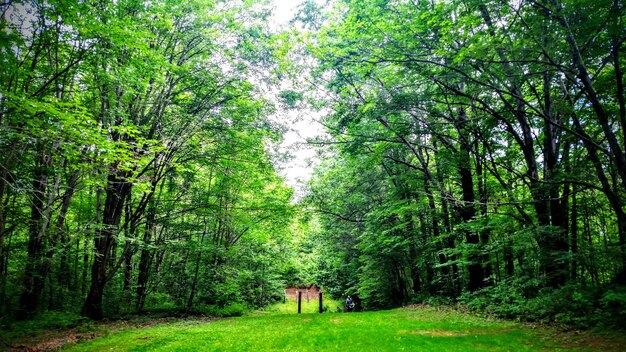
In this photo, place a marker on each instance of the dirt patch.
(56, 343)
(336, 321)
(436, 333)
(585, 340)
(54, 340)
(416, 306)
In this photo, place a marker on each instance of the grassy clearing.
(424, 329)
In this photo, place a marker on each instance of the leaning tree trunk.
(603, 117)
(145, 260)
(118, 188)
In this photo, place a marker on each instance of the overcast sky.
(285, 9)
(302, 122)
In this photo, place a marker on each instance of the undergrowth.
(575, 305)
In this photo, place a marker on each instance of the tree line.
(134, 173)
(476, 149)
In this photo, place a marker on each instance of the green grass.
(312, 306)
(426, 329)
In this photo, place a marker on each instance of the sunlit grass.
(426, 329)
(310, 306)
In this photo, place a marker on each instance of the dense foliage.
(477, 154)
(134, 173)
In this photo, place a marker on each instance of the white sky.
(302, 123)
(284, 10)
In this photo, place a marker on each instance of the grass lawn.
(421, 329)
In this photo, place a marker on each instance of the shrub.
(613, 303)
(230, 310)
(159, 302)
(50, 320)
(233, 310)
(570, 304)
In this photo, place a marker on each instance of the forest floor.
(420, 328)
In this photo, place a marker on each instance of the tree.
(492, 109)
(111, 115)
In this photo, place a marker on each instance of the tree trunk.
(611, 195)
(118, 188)
(83, 277)
(127, 255)
(145, 260)
(574, 237)
(550, 241)
(468, 208)
(3, 186)
(483, 198)
(194, 283)
(59, 233)
(449, 241)
(509, 263)
(428, 260)
(33, 281)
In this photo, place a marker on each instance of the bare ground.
(54, 340)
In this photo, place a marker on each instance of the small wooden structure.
(309, 292)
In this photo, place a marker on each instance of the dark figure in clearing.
(349, 304)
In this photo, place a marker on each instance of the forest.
(473, 154)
